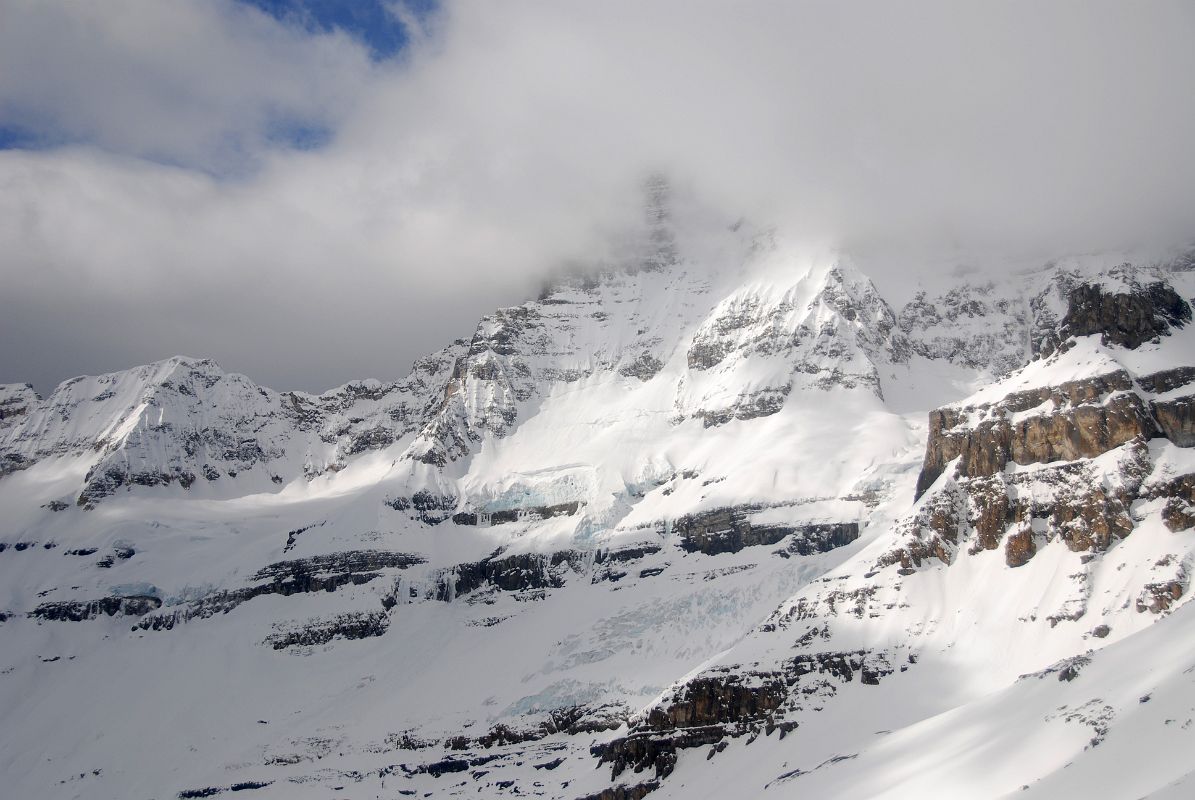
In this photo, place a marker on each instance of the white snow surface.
(780, 383)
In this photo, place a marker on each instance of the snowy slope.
(185, 422)
(684, 524)
(989, 675)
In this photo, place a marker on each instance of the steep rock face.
(323, 573)
(368, 415)
(1126, 318)
(1176, 419)
(659, 497)
(487, 385)
(744, 354)
(1125, 309)
(312, 633)
(995, 325)
(16, 399)
(1178, 512)
(1080, 464)
(1084, 504)
(813, 322)
(579, 326)
(981, 327)
(499, 517)
(510, 573)
(1000, 325)
(76, 611)
(1174, 413)
(1091, 438)
(1069, 463)
(831, 329)
(1075, 419)
(733, 702)
(729, 530)
(184, 420)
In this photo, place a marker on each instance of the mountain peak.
(751, 481)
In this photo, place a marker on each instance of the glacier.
(687, 524)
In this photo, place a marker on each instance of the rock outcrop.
(729, 530)
(830, 330)
(184, 420)
(78, 611)
(1062, 428)
(1075, 419)
(356, 625)
(323, 573)
(513, 573)
(732, 702)
(1126, 318)
(695, 490)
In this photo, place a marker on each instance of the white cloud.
(198, 83)
(511, 132)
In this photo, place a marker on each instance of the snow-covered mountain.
(687, 524)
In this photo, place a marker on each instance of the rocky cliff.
(677, 527)
(1066, 470)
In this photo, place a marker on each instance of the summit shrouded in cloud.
(310, 195)
(801, 400)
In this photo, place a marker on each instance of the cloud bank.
(199, 177)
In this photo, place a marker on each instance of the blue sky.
(311, 191)
(370, 21)
(375, 25)
(13, 136)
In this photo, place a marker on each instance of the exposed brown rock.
(1093, 520)
(1178, 515)
(1176, 418)
(715, 700)
(934, 532)
(1159, 597)
(1065, 500)
(732, 703)
(1078, 420)
(1088, 417)
(991, 512)
(1020, 548)
(1179, 511)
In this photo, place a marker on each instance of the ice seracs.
(688, 524)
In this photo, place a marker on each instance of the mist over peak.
(253, 187)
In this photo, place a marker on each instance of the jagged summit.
(682, 341)
(184, 420)
(708, 524)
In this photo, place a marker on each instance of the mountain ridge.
(705, 520)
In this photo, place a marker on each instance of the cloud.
(506, 138)
(203, 84)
